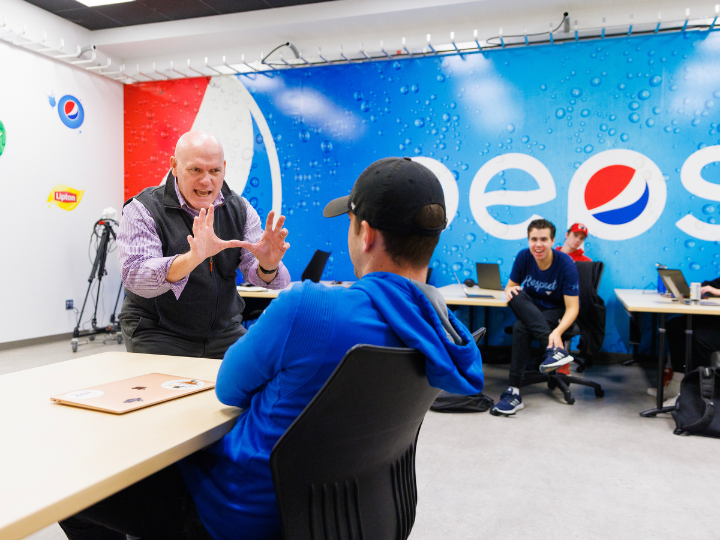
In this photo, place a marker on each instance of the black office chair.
(589, 274)
(458, 403)
(313, 271)
(345, 468)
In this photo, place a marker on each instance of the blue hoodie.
(276, 369)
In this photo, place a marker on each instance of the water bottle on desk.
(661, 286)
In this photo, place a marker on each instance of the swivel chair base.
(561, 381)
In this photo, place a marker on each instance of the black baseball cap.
(388, 195)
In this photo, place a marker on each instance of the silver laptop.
(488, 276)
(469, 292)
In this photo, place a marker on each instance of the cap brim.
(337, 207)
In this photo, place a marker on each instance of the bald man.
(180, 245)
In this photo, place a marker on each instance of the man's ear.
(173, 165)
(369, 236)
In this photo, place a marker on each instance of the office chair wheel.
(570, 400)
(91, 337)
(599, 392)
(74, 346)
(119, 339)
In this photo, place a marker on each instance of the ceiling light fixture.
(95, 3)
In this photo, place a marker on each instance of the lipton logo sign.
(65, 197)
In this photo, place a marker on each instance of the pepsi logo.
(619, 194)
(71, 112)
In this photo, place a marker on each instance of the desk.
(56, 460)
(269, 294)
(639, 301)
(454, 296)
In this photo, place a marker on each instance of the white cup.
(695, 291)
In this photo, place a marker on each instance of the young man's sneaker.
(510, 403)
(554, 358)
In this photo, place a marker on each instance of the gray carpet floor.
(593, 470)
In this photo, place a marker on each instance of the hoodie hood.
(455, 368)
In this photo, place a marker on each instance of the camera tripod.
(98, 269)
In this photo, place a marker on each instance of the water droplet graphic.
(414, 88)
(603, 127)
(585, 113)
(634, 118)
(470, 237)
(326, 146)
(576, 92)
(419, 122)
(304, 135)
(656, 80)
(440, 78)
(364, 106)
(694, 266)
(596, 81)
(403, 89)
(624, 137)
(510, 128)
(634, 105)
(588, 149)
(643, 94)
(708, 209)
(259, 139)
(254, 181)
(560, 113)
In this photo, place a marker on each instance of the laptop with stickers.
(120, 397)
(675, 282)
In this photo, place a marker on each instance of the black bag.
(695, 409)
(455, 403)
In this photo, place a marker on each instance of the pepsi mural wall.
(620, 134)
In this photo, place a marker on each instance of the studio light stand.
(98, 270)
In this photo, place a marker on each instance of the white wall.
(44, 257)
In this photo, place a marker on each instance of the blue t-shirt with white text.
(546, 287)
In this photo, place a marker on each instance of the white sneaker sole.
(544, 368)
(498, 412)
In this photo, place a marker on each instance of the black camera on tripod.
(105, 232)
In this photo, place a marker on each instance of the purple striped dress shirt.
(144, 269)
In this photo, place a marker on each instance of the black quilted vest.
(209, 304)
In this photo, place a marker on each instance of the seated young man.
(574, 238)
(396, 213)
(705, 341)
(543, 292)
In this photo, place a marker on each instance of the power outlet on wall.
(68, 304)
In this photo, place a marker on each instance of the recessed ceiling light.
(95, 3)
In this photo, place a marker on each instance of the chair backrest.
(591, 318)
(345, 468)
(313, 271)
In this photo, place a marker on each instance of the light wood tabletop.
(637, 300)
(260, 292)
(454, 296)
(56, 460)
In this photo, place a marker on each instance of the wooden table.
(56, 460)
(640, 301)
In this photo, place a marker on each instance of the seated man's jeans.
(534, 323)
(158, 507)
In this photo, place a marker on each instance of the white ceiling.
(332, 25)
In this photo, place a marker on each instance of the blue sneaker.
(510, 403)
(555, 358)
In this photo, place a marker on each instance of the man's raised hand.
(204, 242)
(271, 247)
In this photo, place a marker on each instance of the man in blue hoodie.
(396, 213)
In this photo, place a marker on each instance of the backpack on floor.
(696, 409)
(455, 403)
